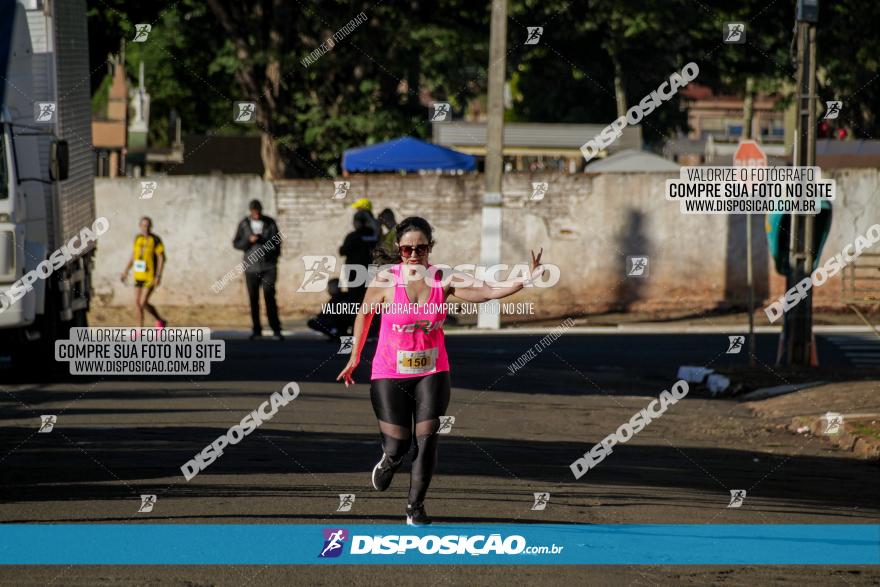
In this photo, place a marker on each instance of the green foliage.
(377, 83)
(849, 55)
(101, 96)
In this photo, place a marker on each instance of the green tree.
(369, 87)
(595, 58)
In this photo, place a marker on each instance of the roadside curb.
(850, 438)
(768, 392)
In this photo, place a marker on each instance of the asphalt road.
(514, 434)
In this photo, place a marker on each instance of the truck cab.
(45, 119)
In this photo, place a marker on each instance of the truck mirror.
(59, 158)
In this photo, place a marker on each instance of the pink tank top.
(411, 342)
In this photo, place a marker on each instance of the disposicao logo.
(334, 540)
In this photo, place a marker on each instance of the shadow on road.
(53, 466)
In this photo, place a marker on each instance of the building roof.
(631, 161)
(684, 146)
(531, 137)
(696, 92)
(841, 154)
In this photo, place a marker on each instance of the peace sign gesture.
(537, 268)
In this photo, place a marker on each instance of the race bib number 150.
(415, 362)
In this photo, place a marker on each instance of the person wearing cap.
(257, 235)
(357, 248)
(365, 205)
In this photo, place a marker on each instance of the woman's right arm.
(373, 298)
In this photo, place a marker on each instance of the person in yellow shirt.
(148, 260)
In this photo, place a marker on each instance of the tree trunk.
(619, 91)
(263, 86)
(273, 163)
(748, 108)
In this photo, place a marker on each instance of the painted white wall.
(587, 225)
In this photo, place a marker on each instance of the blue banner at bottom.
(524, 544)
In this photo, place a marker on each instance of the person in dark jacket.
(257, 235)
(357, 248)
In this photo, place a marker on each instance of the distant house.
(110, 126)
(120, 134)
(120, 130)
(721, 116)
(533, 146)
(716, 126)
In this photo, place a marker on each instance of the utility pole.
(797, 327)
(490, 242)
(748, 116)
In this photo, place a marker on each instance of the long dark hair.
(382, 255)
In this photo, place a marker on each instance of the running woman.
(148, 259)
(410, 383)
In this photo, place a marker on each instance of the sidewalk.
(236, 320)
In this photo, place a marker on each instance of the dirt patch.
(802, 412)
(849, 397)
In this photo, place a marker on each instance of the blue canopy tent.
(406, 154)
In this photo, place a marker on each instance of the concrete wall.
(587, 224)
(196, 217)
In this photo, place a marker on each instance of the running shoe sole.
(409, 522)
(373, 477)
(376, 470)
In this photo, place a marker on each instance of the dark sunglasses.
(407, 250)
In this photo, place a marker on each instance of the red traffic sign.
(750, 154)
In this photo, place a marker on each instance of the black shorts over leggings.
(412, 399)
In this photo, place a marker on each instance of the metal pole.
(789, 325)
(751, 284)
(810, 220)
(748, 114)
(797, 327)
(490, 243)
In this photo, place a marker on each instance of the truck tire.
(37, 358)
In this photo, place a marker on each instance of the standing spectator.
(388, 240)
(365, 205)
(258, 237)
(357, 248)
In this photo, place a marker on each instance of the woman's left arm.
(469, 289)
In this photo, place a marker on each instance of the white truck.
(46, 175)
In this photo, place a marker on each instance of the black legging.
(407, 407)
